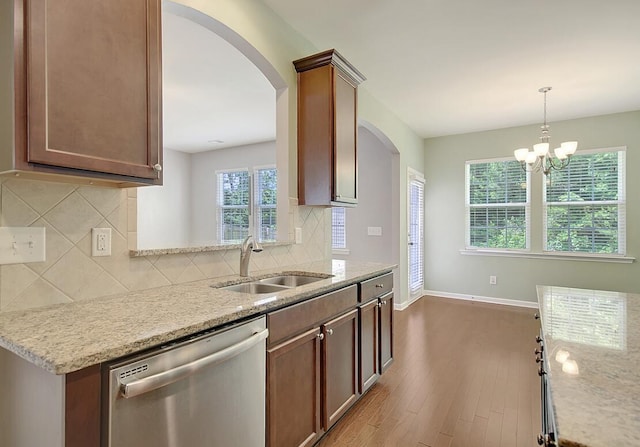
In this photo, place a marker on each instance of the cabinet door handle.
(157, 167)
(541, 371)
(329, 331)
(320, 336)
(536, 316)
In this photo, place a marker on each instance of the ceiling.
(213, 96)
(448, 67)
(443, 67)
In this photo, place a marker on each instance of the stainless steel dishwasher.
(207, 391)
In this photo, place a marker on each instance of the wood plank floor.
(464, 375)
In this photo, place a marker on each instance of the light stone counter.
(68, 337)
(592, 343)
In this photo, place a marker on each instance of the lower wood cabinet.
(385, 304)
(339, 367)
(322, 355)
(293, 391)
(369, 345)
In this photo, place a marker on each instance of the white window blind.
(497, 205)
(233, 206)
(415, 237)
(265, 203)
(585, 205)
(237, 218)
(338, 228)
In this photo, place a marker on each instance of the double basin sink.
(273, 284)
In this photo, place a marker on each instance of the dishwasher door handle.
(146, 384)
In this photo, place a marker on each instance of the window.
(235, 218)
(338, 229)
(497, 205)
(265, 206)
(584, 204)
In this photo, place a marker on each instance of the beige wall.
(447, 270)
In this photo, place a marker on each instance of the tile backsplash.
(70, 273)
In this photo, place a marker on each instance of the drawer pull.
(379, 286)
(541, 371)
(320, 336)
(329, 331)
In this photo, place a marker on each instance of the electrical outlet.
(374, 231)
(298, 235)
(101, 242)
(493, 280)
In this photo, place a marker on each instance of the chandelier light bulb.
(521, 154)
(540, 159)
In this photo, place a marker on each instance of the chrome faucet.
(248, 245)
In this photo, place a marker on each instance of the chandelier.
(540, 159)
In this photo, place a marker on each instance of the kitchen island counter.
(69, 337)
(592, 344)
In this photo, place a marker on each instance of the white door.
(415, 224)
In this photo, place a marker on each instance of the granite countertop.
(68, 337)
(592, 343)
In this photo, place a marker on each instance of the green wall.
(449, 271)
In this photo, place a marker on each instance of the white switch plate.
(101, 242)
(374, 231)
(20, 245)
(493, 280)
(298, 235)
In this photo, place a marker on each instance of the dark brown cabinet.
(293, 391)
(87, 89)
(312, 367)
(339, 366)
(385, 302)
(369, 354)
(376, 328)
(327, 130)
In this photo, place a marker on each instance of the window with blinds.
(338, 228)
(233, 206)
(497, 205)
(236, 219)
(584, 205)
(265, 203)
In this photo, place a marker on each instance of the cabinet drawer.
(375, 287)
(294, 319)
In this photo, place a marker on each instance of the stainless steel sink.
(273, 284)
(254, 288)
(290, 280)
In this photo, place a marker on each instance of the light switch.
(20, 245)
(374, 231)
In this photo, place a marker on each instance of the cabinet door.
(369, 355)
(386, 331)
(346, 128)
(339, 366)
(293, 391)
(94, 85)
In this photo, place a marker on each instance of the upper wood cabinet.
(86, 89)
(327, 130)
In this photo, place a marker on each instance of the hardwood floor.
(464, 375)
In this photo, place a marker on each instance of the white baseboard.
(404, 305)
(483, 299)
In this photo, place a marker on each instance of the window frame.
(254, 206)
(469, 206)
(621, 203)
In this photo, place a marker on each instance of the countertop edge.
(60, 364)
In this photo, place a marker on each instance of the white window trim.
(560, 256)
(622, 222)
(469, 248)
(252, 206)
